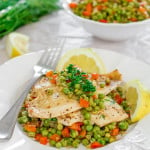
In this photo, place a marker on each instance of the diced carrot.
(96, 144)
(84, 103)
(43, 140)
(104, 0)
(82, 134)
(49, 73)
(142, 9)
(85, 75)
(37, 137)
(30, 127)
(94, 96)
(99, 7)
(95, 76)
(55, 137)
(53, 80)
(129, 0)
(65, 132)
(133, 19)
(115, 132)
(86, 13)
(76, 126)
(89, 7)
(118, 98)
(103, 20)
(26, 105)
(72, 5)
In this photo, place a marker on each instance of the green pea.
(59, 126)
(79, 92)
(64, 142)
(96, 129)
(106, 129)
(46, 122)
(88, 136)
(102, 85)
(96, 101)
(74, 133)
(53, 119)
(101, 96)
(89, 108)
(58, 132)
(66, 91)
(75, 144)
(58, 145)
(89, 127)
(52, 142)
(85, 142)
(96, 108)
(107, 135)
(38, 130)
(42, 128)
(111, 126)
(102, 141)
(102, 133)
(123, 125)
(112, 139)
(107, 81)
(77, 86)
(92, 140)
(31, 134)
(23, 119)
(69, 141)
(24, 113)
(87, 115)
(53, 130)
(107, 139)
(44, 132)
(49, 135)
(49, 91)
(86, 122)
(97, 136)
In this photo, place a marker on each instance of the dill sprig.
(77, 77)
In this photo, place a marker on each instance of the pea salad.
(112, 11)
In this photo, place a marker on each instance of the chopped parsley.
(75, 76)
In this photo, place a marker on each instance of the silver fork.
(47, 61)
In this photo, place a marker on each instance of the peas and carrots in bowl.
(112, 11)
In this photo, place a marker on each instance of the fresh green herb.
(102, 116)
(16, 13)
(77, 77)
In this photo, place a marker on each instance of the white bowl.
(110, 31)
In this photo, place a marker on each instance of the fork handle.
(8, 121)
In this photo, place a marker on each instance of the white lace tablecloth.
(62, 24)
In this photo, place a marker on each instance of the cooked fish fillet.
(43, 105)
(70, 118)
(112, 113)
(107, 89)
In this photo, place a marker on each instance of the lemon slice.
(85, 58)
(138, 98)
(16, 44)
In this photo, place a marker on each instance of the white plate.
(16, 72)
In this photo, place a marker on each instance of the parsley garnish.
(77, 77)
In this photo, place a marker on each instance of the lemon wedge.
(16, 44)
(138, 98)
(85, 58)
